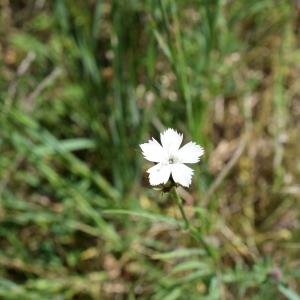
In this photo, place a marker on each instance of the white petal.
(190, 153)
(182, 174)
(159, 174)
(171, 140)
(153, 151)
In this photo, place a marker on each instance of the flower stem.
(180, 206)
(193, 231)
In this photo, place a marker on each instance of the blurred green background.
(82, 83)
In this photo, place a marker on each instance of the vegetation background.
(82, 83)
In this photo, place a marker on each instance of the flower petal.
(182, 174)
(190, 153)
(159, 174)
(153, 151)
(171, 140)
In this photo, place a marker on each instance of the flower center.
(172, 160)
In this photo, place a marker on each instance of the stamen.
(172, 160)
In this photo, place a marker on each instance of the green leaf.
(288, 292)
(146, 215)
(179, 253)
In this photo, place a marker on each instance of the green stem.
(193, 231)
(179, 203)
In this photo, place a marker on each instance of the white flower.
(170, 159)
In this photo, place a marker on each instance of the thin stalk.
(193, 231)
(179, 203)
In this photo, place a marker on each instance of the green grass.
(83, 83)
